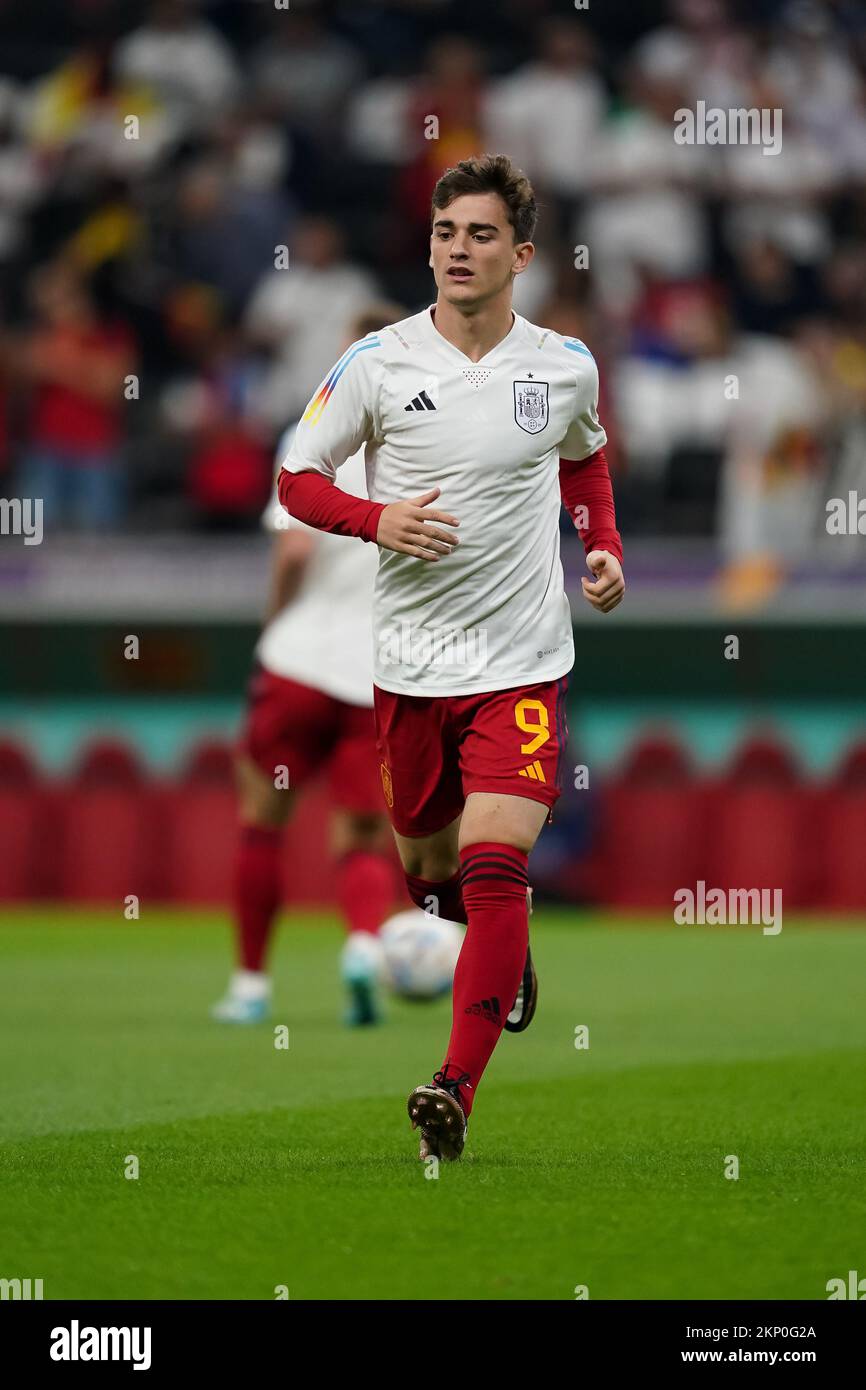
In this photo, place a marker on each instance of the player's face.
(472, 249)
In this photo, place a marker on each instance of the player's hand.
(608, 587)
(407, 527)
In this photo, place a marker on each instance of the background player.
(310, 707)
(469, 406)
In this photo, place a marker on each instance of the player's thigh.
(513, 746)
(289, 729)
(359, 819)
(420, 774)
(260, 802)
(503, 819)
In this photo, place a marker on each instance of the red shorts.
(294, 726)
(435, 750)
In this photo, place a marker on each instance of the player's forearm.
(587, 496)
(286, 580)
(316, 500)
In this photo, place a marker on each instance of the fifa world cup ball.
(420, 953)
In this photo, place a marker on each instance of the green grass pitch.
(262, 1167)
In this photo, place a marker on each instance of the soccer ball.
(420, 953)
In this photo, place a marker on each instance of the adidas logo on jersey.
(420, 402)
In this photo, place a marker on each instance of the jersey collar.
(433, 332)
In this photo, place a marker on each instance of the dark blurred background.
(196, 199)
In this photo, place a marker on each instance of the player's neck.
(474, 334)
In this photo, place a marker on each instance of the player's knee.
(264, 811)
(353, 830)
(508, 820)
(365, 830)
(433, 865)
(261, 803)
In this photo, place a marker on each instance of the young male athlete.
(310, 707)
(476, 424)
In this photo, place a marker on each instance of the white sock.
(250, 984)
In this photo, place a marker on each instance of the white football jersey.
(323, 637)
(493, 613)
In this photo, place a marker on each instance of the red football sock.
(494, 880)
(257, 892)
(447, 893)
(366, 888)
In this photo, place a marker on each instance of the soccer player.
(310, 707)
(476, 424)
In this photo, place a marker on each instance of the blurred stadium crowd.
(154, 158)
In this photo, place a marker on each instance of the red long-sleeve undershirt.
(583, 483)
(313, 498)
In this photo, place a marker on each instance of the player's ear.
(525, 253)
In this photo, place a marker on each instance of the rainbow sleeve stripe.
(313, 412)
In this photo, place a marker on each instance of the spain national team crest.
(530, 405)
(387, 785)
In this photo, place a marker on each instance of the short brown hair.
(491, 173)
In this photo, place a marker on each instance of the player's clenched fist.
(407, 527)
(608, 587)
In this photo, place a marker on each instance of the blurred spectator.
(670, 400)
(305, 74)
(648, 211)
(208, 409)
(721, 429)
(78, 119)
(702, 50)
(226, 228)
(835, 354)
(781, 197)
(300, 313)
(548, 114)
(770, 291)
(258, 155)
(73, 363)
(183, 60)
(377, 127)
(21, 179)
(814, 75)
(776, 455)
(450, 92)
